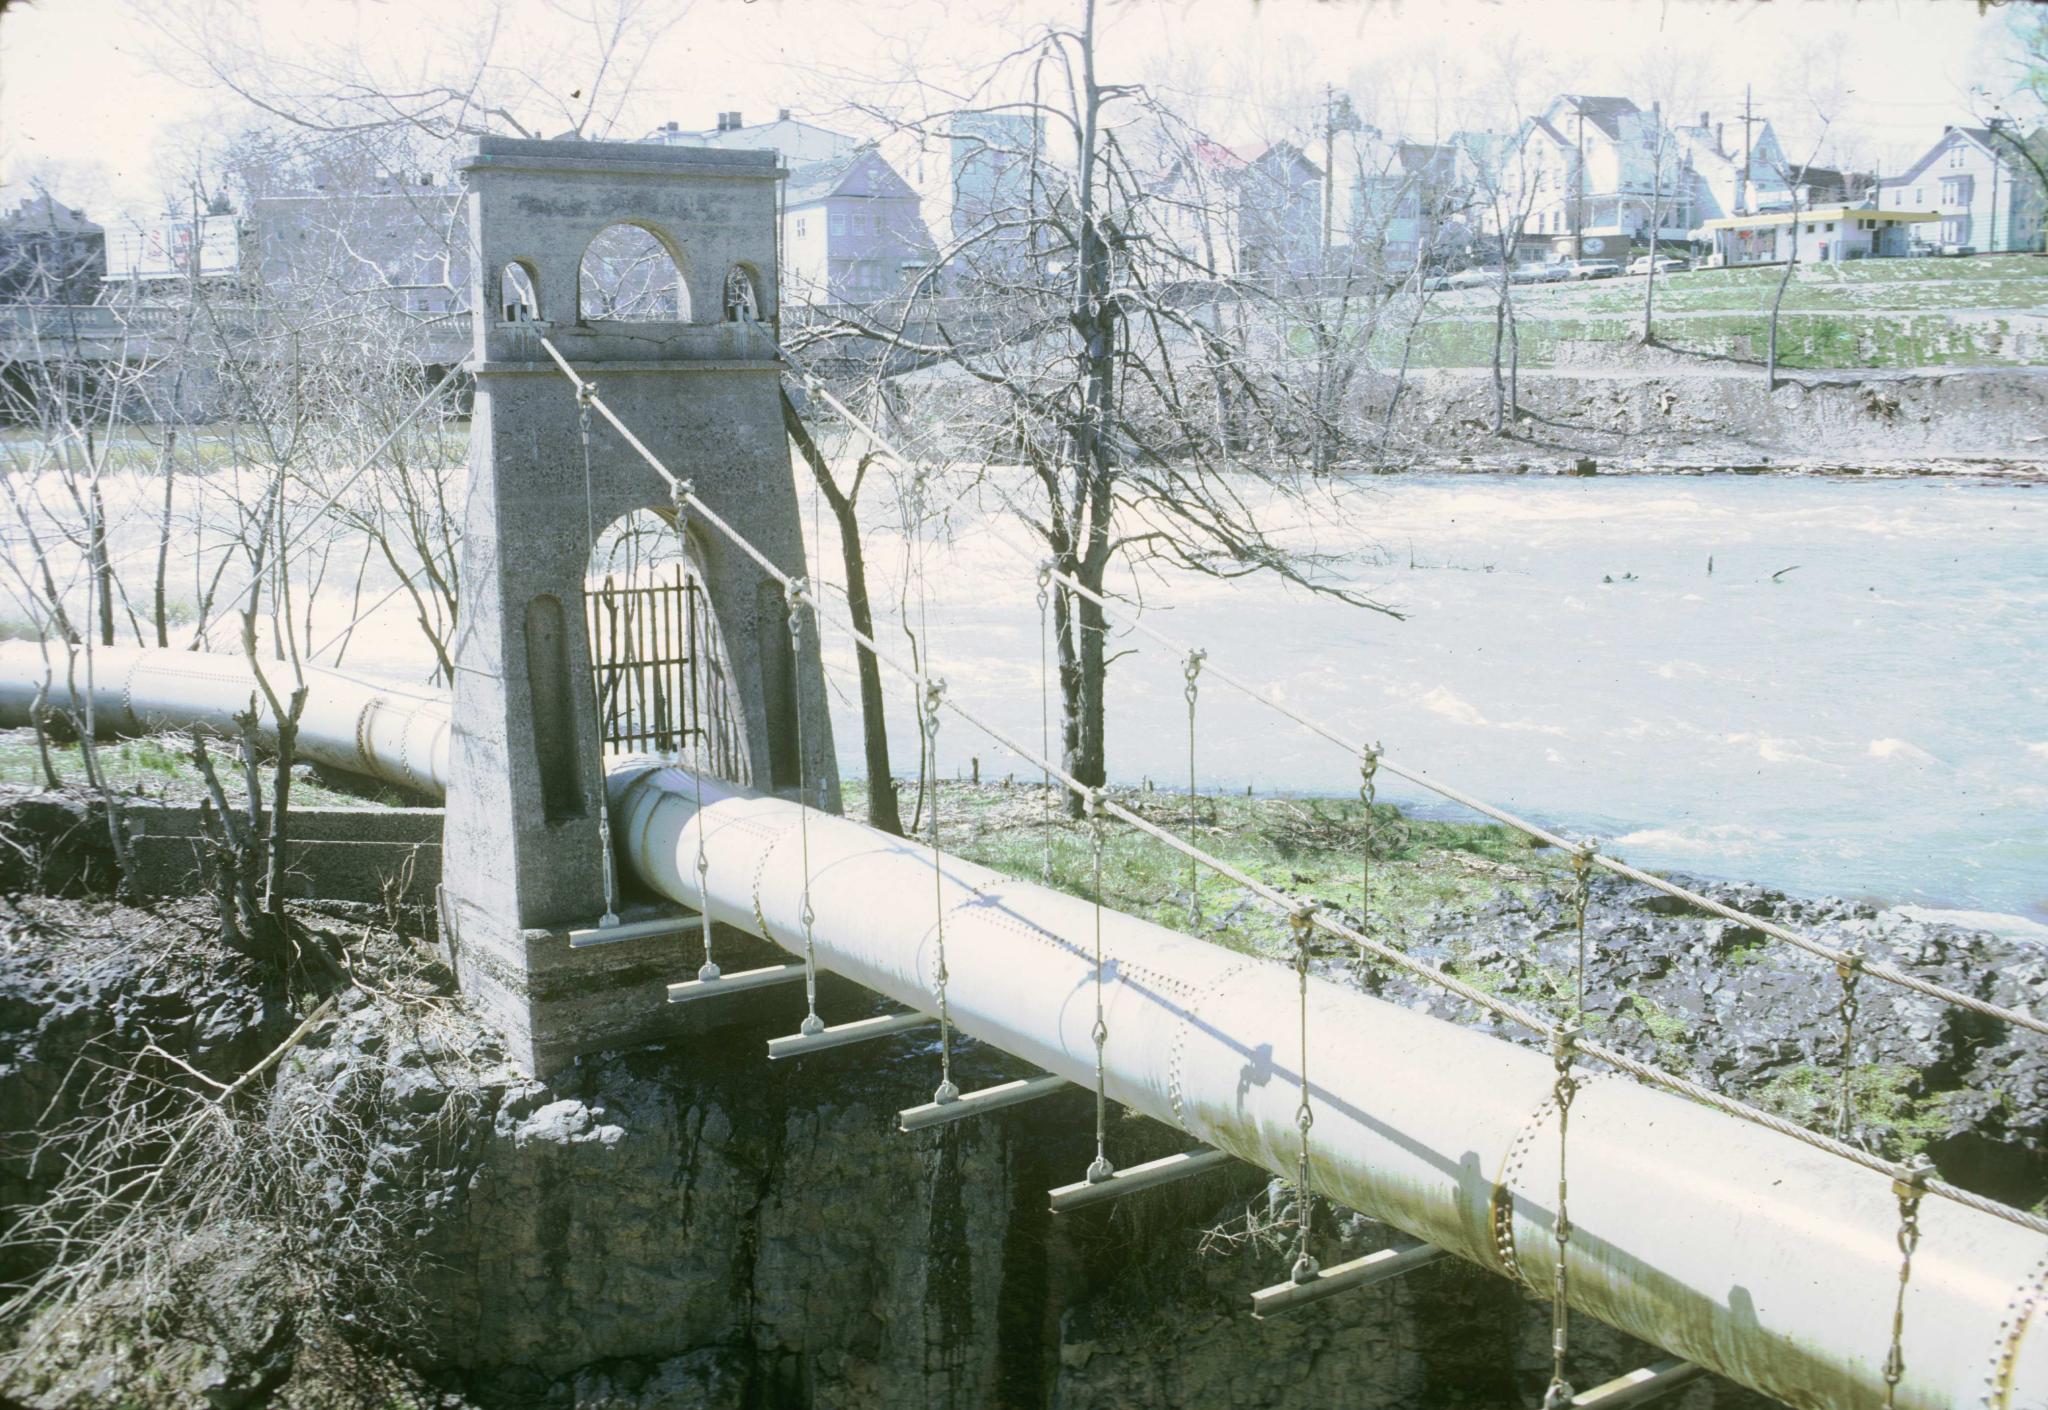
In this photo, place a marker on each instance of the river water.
(1853, 701)
(1831, 686)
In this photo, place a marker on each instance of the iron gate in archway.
(660, 678)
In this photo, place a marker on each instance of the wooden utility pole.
(1579, 187)
(1742, 197)
(1329, 168)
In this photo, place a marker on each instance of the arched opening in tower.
(663, 682)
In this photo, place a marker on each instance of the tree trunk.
(159, 607)
(1650, 284)
(1065, 633)
(1778, 302)
(1095, 319)
(883, 810)
(1514, 368)
(102, 564)
(1500, 315)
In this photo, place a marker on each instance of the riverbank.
(1710, 999)
(1659, 411)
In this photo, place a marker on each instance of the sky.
(99, 97)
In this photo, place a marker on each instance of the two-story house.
(1603, 172)
(1734, 167)
(1230, 214)
(973, 173)
(1279, 199)
(1395, 201)
(1988, 198)
(50, 253)
(851, 231)
(1192, 208)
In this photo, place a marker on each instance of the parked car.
(1949, 249)
(1548, 272)
(1476, 277)
(1666, 264)
(1594, 268)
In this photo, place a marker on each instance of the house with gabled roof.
(1194, 204)
(1733, 172)
(851, 231)
(1988, 197)
(1395, 201)
(1603, 172)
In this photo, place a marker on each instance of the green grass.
(1805, 340)
(1885, 1098)
(1868, 313)
(1307, 848)
(160, 767)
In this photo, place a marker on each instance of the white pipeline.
(1735, 1247)
(350, 723)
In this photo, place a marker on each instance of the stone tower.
(523, 859)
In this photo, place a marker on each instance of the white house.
(1393, 200)
(973, 178)
(851, 231)
(1733, 174)
(1825, 235)
(1988, 198)
(1598, 172)
(851, 228)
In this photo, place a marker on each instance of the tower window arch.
(629, 275)
(742, 296)
(519, 292)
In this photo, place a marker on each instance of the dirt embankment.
(1661, 411)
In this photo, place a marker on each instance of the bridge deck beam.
(988, 1099)
(696, 989)
(839, 1035)
(1639, 1386)
(1358, 1273)
(1152, 1173)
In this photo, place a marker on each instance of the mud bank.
(1658, 411)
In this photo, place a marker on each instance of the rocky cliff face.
(691, 1226)
(695, 1228)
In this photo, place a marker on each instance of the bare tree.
(844, 502)
(1091, 357)
(1509, 184)
(1795, 181)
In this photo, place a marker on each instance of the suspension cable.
(1191, 668)
(1889, 973)
(1563, 1047)
(1848, 969)
(1428, 973)
(1563, 1051)
(1909, 1192)
(1368, 789)
(1099, 1169)
(934, 693)
(682, 496)
(585, 394)
(1044, 715)
(795, 594)
(1302, 923)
